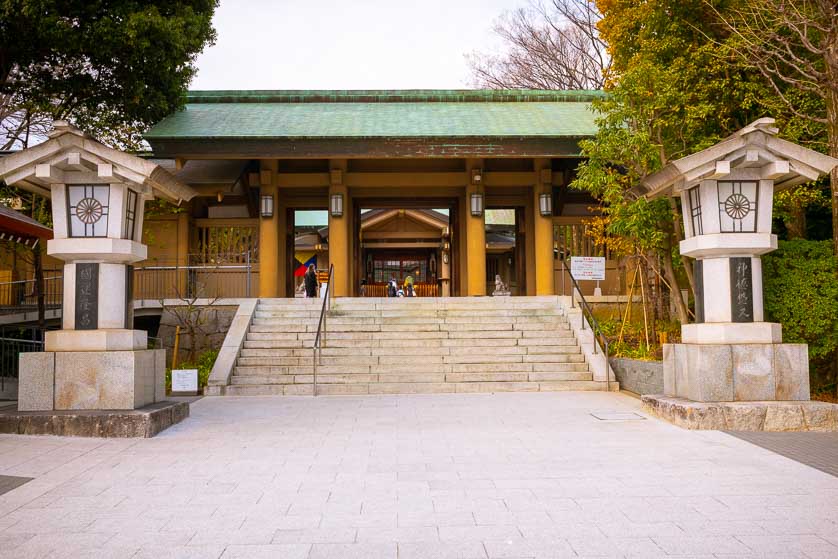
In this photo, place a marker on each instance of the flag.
(303, 259)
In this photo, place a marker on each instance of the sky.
(360, 44)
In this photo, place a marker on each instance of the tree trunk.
(832, 134)
(677, 225)
(796, 225)
(675, 288)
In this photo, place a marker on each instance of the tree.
(552, 46)
(113, 67)
(794, 45)
(672, 90)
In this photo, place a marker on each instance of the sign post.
(588, 268)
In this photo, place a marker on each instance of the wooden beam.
(389, 180)
(302, 180)
(400, 245)
(510, 178)
(402, 235)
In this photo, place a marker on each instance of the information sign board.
(587, 267)
(185, 382)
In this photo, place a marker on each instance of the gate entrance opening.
(410, 241)
(505, 249)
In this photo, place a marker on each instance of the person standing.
(310, 279)
(408, 286)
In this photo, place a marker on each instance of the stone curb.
(744, 416)
(142, 423)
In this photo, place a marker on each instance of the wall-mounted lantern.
(545, 204)
(476, 204)
(336, 205)
(266, 205)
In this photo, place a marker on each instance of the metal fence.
(20, 296)
(232, 277)
(173, 281)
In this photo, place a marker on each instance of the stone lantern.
(730, 354)
(97, 360)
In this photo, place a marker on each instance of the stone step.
(410, 388)
(269, 334)
(410, 312)
(405, 342)
(429, 368)
(359, 351)
(369, 360)
(354, 378)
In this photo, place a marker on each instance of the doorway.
(306, 242)
(404, 238)
(505, 249)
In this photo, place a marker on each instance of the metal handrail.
(595, 329)
(320, 338)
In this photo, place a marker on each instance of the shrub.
(204, 365)
(801, 293)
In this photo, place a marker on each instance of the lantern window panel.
(738, 206)
(88, 207)
(130, 214)
(694, 198)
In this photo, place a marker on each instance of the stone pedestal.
(736, 372)
(91, 380)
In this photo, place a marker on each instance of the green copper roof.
(380, 114)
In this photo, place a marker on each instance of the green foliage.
(204, 365)
(801, 293)
(633, 344)
(675, 87)
(111, 66)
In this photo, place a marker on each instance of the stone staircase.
(408, 346)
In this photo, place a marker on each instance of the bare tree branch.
(548, 46)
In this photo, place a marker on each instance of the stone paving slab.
(423, 476)
(818, 450)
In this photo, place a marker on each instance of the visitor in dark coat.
(310, 279)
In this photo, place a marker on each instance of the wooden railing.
(424, 289)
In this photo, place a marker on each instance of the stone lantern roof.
(756, 147)
(70, 156)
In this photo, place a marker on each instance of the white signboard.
(185, 380)
(587, 267)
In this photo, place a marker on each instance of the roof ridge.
(392, 96)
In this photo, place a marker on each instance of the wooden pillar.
(270, 266)
(475, 234)
(182, 251)
(339, 230)
(543, 231)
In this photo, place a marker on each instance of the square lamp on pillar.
(266, 206)
(476, 204)
(336, 205)
(545, 204)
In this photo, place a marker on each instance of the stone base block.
(732, 333)
(736, 373)
(96, 380)
(144, 422)
(96, 340)
(744, 416)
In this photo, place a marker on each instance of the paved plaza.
(439, 476)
